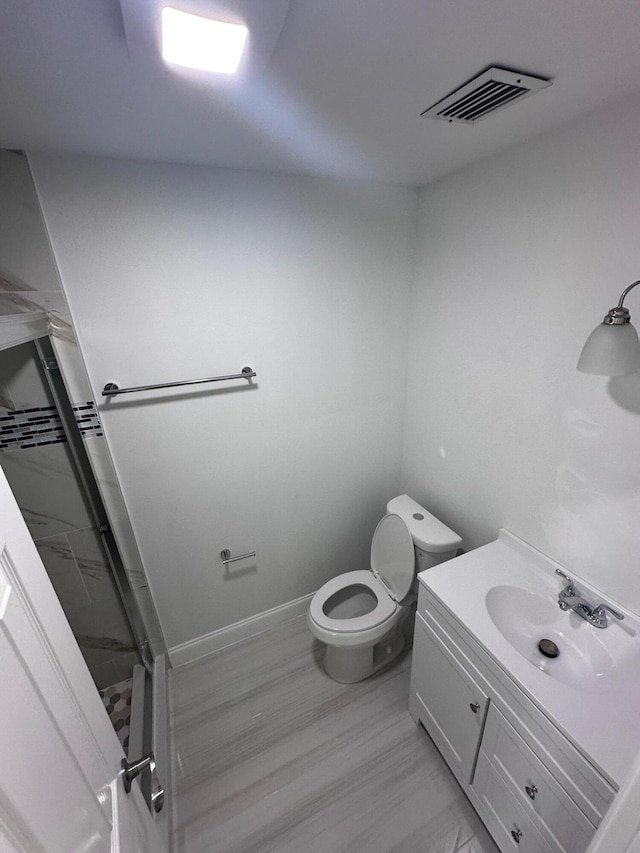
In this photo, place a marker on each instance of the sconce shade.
(611, 350)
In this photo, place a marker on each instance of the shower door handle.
(131, 770)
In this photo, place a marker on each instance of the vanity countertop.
(600, 716)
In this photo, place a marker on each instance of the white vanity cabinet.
(532, 788)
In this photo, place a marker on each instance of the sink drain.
(548, 648)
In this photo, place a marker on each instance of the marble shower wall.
(44, 483)
(29, 281)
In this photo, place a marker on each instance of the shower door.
(43, 455)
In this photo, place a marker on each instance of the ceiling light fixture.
(202, 43)
(613, 348)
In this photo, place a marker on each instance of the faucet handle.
(601, 609)
(569, 589)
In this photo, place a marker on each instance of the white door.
(60, 778)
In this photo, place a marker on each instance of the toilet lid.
(392, 555)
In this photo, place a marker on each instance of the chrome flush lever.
(132, 770)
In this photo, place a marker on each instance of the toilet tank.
(434, 542)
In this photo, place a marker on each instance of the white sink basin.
(589, 658)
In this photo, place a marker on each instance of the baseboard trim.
(209, 643)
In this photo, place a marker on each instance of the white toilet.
(360, 615)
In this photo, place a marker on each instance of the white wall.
(179, 272)
(519, 258)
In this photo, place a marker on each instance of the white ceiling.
(340, 96)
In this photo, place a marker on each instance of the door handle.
(131, 770)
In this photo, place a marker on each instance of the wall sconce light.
(613, 348)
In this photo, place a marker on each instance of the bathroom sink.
(502, 599)
(589, 659)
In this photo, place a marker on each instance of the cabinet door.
(447, 701)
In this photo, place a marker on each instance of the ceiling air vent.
(490, 91)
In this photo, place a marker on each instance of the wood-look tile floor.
(271, 755)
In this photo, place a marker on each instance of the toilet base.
(348, 664)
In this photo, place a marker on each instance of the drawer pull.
(475, 707)
(516, 834)
(531, 791)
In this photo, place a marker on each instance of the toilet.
(362, 617)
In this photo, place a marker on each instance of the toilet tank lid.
(427, 532)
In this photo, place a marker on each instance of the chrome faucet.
(569, 599)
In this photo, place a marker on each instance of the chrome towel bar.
(111, 388)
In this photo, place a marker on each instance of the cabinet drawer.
(447, 700)
(505, 818)
(551, 809)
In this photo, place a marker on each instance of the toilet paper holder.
(225, 556)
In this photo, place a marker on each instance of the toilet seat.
(384, 609)
(389, 579)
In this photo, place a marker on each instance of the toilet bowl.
(360, 616)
